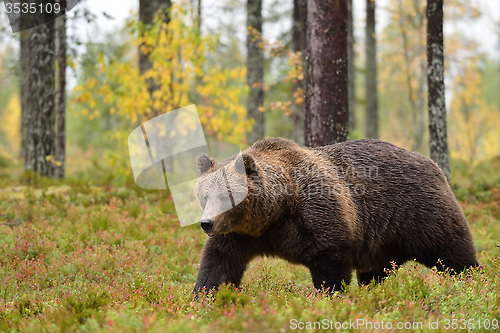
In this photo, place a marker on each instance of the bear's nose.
(207, 225)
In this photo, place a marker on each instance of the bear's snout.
(207, 225)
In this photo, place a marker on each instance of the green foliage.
(28, 307)
(355, 135)
(465, 176)
(4, 162)
(83, 306)
(482, 191)
(228, 295)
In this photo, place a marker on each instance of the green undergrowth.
(92, 257)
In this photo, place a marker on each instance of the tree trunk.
(299, 45)
(60, 151)
(435, 80)
(147, 11)
(255, 70)
(327, 117)
(199, 15)
(39, 146)
(371, 121)
(350, 67)
(198, 12)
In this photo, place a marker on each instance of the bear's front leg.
(330, 273)
(225, 259)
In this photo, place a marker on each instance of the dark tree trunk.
(255, 70)
(435, 81)
(60, 151)
(199, 15)
(327, 115)
(299, 45)
(371, 121)
(40, 118)
(147, 11)
(350, 67)
(299, 26)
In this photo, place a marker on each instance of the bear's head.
(228, 192)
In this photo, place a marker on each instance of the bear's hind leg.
(446, 241)
(454, 256)
(451, 264)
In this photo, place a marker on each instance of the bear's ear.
(204, 163)
(251, 167)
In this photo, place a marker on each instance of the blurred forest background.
(199, 53)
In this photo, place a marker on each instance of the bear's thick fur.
(357, 205)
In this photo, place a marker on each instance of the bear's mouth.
(212, 233)
(219, 229)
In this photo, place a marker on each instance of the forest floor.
(99, 258)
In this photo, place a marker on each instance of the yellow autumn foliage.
(10, 125)
(474, 125)
(180, 75)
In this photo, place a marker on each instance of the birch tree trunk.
(255, 70)
(327, 109)
(435, 80)
(351, 69)
(299, 45)
(371, 116)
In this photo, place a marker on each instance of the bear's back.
(392, 186)
(386, 162)
(274, 144)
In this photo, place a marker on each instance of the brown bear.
(358, 205)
